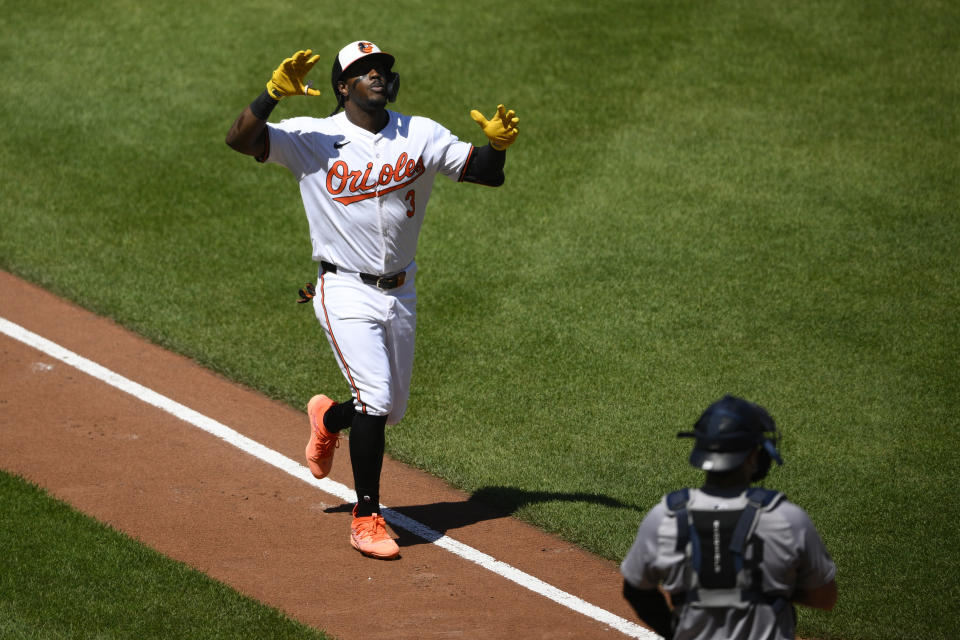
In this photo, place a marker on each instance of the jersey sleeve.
(815, 566)
(293, 144)
(639, 567)
(450, 152)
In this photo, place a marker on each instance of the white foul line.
(327, 485)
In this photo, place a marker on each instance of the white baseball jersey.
(794, 558)
(365, 193)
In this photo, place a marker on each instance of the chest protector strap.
(718, 580)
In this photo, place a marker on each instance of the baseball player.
(734, 558)
(365, 174)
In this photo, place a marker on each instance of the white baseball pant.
(371, 332)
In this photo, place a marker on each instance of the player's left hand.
(287, 80)
(501, 130)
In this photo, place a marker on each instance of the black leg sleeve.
(339, 416)
(367, 442)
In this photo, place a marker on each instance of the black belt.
(382, 282)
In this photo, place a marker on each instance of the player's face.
(367, 83)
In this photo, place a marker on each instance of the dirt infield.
(269, 535)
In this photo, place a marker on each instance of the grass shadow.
(417, 524)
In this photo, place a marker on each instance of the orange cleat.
(322, 444)
(369, 536)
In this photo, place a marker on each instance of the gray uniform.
(794, 558)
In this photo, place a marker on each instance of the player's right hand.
(287, 80)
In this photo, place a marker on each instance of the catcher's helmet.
(354, 52)
(730, 430)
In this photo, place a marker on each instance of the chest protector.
(722, 553)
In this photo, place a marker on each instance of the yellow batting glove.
(501, 129)
(287, 80)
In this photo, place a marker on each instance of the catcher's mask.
(354, 52)
(728, 432)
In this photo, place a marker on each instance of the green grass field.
(706, 197)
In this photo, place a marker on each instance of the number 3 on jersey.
(411, 199)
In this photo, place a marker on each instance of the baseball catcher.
(734, 558)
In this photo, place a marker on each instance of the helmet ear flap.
(335, 72)
(393, 86)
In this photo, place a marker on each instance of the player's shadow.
(423, 523)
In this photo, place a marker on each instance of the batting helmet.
(728, 432)
(354, 52)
